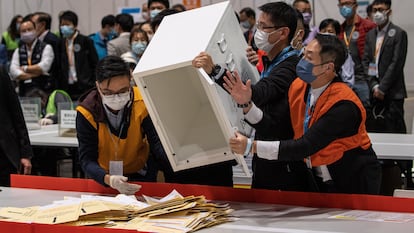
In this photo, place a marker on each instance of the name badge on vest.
(372, 69)
(116, 168)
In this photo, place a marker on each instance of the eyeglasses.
(382, 10)
(261, 26)
(346, 4)
(109, 92)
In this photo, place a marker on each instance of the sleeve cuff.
(268, 149)
(254, 115)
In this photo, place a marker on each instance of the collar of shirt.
(43, 35)
(315, 93)
(384, 29)
(33, 45)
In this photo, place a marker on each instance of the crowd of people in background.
(80, 67)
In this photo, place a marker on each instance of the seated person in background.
(117, 140)
(328, 120)
(51, 111)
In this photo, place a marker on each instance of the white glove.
(120, 183)
(45, 121)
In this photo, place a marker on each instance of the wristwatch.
(215, 71)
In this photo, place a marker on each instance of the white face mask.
(117, 101)
(380, 17)
(261, 38)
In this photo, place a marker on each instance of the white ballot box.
(194, 116)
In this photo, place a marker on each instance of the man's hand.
(241, 93)
(45, 121)
(120, 183)
(26, 166)
(252, 55)
(204, 60)
(378, 94)
(238, 143)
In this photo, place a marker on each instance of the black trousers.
(6, 168)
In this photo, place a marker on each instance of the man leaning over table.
(328, 120)
(117, 140)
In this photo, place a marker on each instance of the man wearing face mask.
(117, 140)
(156, 6)
(383, 61)
(304, 7)
(353, 33)
(275, 29)
(328, 121)
(103, 36)
(32, 61)
(78, 58)
(123, 26)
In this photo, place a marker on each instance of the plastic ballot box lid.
(193, 115)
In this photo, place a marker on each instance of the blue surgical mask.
(17, 26)
(67, 31)
(138, 47)
(154, 13)
(304, 71)
(112, 34)
(346, 11)
(245, 24)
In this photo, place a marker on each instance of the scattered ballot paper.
(173, 213)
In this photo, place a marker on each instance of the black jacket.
(14, 139)
(85, 63)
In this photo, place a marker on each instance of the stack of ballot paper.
(173, 213)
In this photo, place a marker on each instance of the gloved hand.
(46, 121)
(120, 183)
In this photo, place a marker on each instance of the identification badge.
(372, 69)
(116, 168)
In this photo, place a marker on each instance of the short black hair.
(297, 1)
(249, 12)
(125, 21)
(369, 9)
(69, 16)
(108, 20)
(44, 17)
(166, 3)
(332, 49)
(156, 21)
(179, 7)
(111, 66)
(29, 20)
(282, 15)
(335, 23)
(386, 2)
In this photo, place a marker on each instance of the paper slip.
(375, 216)
(55, 214)
(18, 214)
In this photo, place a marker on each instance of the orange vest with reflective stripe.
(133, 150)
(335, 92)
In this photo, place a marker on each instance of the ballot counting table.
(49, 136)
(387, 146)
(256, 210)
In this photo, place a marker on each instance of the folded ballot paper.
(172, 213)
